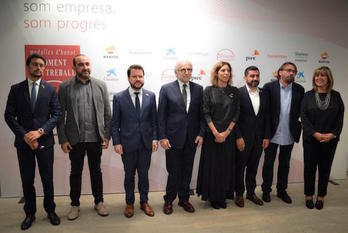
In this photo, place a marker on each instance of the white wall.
(158, 33)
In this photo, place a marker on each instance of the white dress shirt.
(255, 99)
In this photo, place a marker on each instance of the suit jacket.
(21, 119)
(250, 126)
(272, 90)
(68, 127)
(128, 128)
(174, 122)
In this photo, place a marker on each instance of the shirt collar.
(250, 92)
(79, 81)
(182, 83)
(132, 91)
(30, 82)
(289, 86)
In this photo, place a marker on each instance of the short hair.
(324, 70)
(34, 55)
(254, 68)
(286, 64)
(78, 55)
(181, 62)
(134, 67)
(215, 70)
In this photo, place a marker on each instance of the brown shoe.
(239, 200)
(255, 199)
(129, 211)
(168, 208)
(188, 207)
(147, 209)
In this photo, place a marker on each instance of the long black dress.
(217, 163)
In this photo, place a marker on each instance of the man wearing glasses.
(181, 130)
(284, 96)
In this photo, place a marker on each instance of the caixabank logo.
(300, 77)
(226, 55)
(253, 57)
(324, 58)
(111, 75)
(59, 61)
(169, 54)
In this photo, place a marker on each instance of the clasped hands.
(31, 139)
(323, 137)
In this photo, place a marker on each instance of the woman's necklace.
(322, 105)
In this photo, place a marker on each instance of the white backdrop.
(155, 34)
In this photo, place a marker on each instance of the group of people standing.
(233, 126)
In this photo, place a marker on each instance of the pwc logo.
(253, 56)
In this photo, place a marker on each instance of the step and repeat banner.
(156, 34)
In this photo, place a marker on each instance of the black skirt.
(216, 174)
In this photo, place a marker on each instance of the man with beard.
(284, 96)
(84, 129)
(252, 133)
(134, 135)
(32, 111)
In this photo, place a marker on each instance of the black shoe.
(285, 197)
(26, 224)
(222, 205)
(319, 204)
(215, 205)
(310, 204)
(54, 219)
(266, 197)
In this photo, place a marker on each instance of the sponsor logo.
(301, 56)
(168, 75)
(300, 77)
(199, 76)
(59, 60)
(253, 56)
(199, 53)
(277, 56)
(110, 52)
(324, 56)
(110, 75)
(225, 55)
(139, 52)
(169, 54)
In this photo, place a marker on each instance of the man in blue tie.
(134, 136)
(32, 111)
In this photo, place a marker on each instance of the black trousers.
(77, 155)
(139, 161)
(321, 155)
(179, 164)
(283, 167)
(247, 162)
(26, 160)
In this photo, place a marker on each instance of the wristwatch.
(41, 131)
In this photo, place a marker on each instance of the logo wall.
(59, 60)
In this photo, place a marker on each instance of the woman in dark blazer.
(217, 164)
(322, 116)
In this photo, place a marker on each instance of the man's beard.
(33, 74)
(137, 88)
(253, 83)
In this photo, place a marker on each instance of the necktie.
(33, 96)
(184, 94)
(137, 103)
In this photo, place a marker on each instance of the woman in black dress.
(322, 116)
(217, 164)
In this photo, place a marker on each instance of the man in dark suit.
(181, 130)
(134, 135)
(85, 129)
(252, 133)
(32, 111)
(285, 98)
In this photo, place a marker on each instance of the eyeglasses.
(290, 70)
(183, 70)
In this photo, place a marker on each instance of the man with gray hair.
(181, 130)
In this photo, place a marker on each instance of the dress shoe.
(309, 204)
(147, 209)
(266, 197)
(101, 209)
(129, 211)
(168, 208)
(26, 224)
(239, 200)
(54, 219)
(255, 199)
(285, 197)
(188, 207)
(215, 205)
(73, 213)
(319, 204)
(222, 204)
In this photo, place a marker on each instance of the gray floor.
(272, 217)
